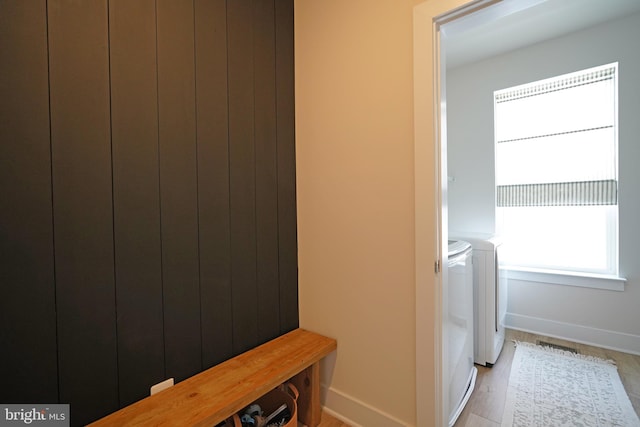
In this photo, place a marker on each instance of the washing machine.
(490, 297)
(458, 350)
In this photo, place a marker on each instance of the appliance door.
(458, 330)
(495, 337)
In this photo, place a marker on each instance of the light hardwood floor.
(486, 404)
(329, 421)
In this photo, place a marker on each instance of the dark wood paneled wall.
(28, 330)
(147, 180)
(136, 195)
(285, 129)
(82, 204)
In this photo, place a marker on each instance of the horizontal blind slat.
(555, 134)
(553, 85)
(585, 193)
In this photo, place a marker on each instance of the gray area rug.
(550, 387)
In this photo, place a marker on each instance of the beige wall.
(360, 224)
(355, 172)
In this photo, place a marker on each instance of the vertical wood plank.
(134, 118)
(27, 307)
(285, 110)
(213, 180)
(308, 384)
(82, 206)
(242, 174)
(178, 187)
(266, 170)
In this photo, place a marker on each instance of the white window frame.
(602, 280)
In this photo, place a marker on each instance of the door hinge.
(437, 266)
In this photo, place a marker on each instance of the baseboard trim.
(619, 341)
(354, 412)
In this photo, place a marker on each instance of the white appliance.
(490, 298)
(458, 369)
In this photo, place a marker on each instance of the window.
(556, 172)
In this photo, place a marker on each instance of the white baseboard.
(618, 341)
(355, 412)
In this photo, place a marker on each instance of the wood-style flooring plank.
(486, 404)
(328, 420)
(473, 420)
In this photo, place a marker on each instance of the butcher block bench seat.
(215, 394)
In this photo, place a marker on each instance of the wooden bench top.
(217, 393)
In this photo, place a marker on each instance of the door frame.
(430, 184)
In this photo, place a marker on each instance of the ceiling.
(512, 24)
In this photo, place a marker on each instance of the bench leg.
(308, 384)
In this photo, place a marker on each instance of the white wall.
(608, 318)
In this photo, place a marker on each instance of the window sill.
(584, 280)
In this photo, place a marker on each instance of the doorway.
(431, 153)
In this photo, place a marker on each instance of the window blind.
(556, 141)
(587, 193)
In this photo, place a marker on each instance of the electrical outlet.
(161, 386)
